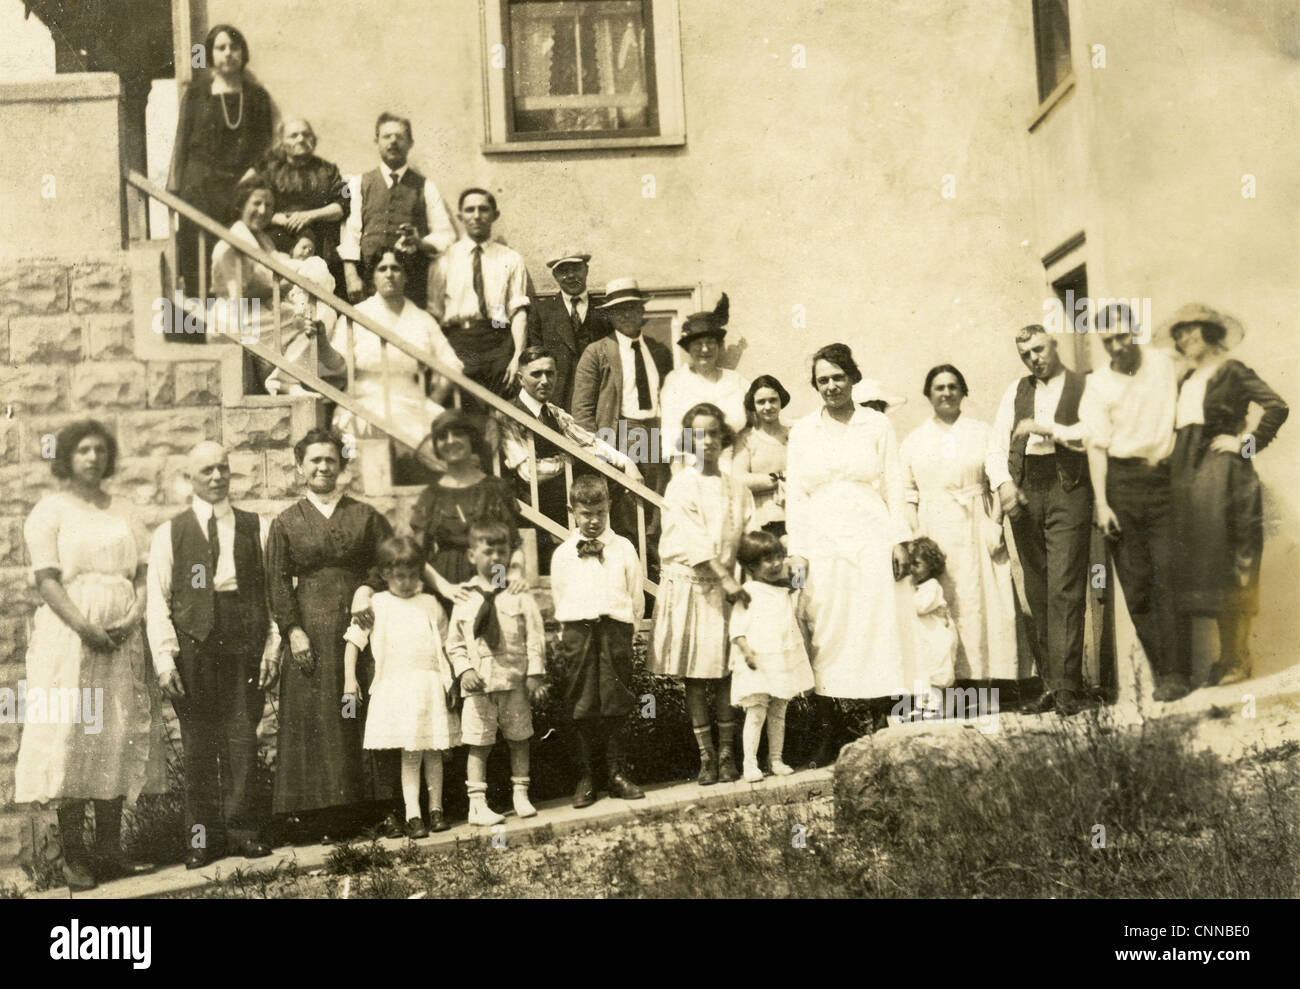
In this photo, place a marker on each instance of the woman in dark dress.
(309, 194)
(456, 499)
(1218, 504)
(328, 541)
(224, 129)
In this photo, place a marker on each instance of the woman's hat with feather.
(706, 324)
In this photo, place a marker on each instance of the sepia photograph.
(651, 449)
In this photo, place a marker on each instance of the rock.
(45, 339)
(111, 337)
(40, 434)
(166, 433)
(23, 486)
(33, 288)
(256, 429)
(281, 475)
(34, 388)
(10, 442)
(247, 475)
(138, 480)
(100, 287)
(11, 541)
(13, 647)
(184, 383)
(14, 841)
(109, 385)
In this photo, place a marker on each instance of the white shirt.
(412, 324)
(583, 303)
(1132, 415)
(158, 619)
(1047, 395)
(442, 231)
(630, 408)
(451, 282)
(325, 506)
(587, 588)
(1191, 397)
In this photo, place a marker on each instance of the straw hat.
(1199, 313)
(870, 390)
(621, 291)
(569, 256)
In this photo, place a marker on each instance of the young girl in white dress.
(706, 512)
(409, 707)
(769, 664)
(934, 631)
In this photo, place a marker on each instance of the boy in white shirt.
(596, 585)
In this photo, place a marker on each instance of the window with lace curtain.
(582, 73)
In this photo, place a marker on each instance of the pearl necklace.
(226, 113)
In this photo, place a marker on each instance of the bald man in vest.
(1037, 464)
(209, 630)
(393, 208)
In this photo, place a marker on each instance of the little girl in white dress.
(769, 664)
(934, 630)
(409, 696)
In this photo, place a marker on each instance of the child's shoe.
(479, 811)
(523, 806)
(415, 828)
(436, 820)
(779, 768)
(752, 773)
(708, 768)
(727, 771)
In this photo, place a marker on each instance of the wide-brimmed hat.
(575, 256)
(621, 291)
(870, 390)
(1197, 312)
(705, 324)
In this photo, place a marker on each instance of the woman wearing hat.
(1218, 505)
(758, 458)
(870, 394)
(948, 499)
(704, 380)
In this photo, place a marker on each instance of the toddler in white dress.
(934, 631)
(769, 664)
(409, 707)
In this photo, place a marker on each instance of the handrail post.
(532, 477)
(568, 487)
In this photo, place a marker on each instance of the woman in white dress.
(702, 381)
(88, 553)
(948, 499)
(850, 539)
(758, 459)
(408, 403)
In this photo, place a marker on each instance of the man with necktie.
(478, 293)
(209, 630)
(565, 324)
(537, 377)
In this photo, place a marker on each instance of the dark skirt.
(321, 763)
(1218, 528)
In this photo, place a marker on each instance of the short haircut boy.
(589, 491)
(399, 551)
(488, 531)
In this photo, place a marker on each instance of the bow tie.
(591, 547)
(486, 624)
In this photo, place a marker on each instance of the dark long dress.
(1218, 508)
(313, 184)
(442, 516)
(320, 756)
(211, 157)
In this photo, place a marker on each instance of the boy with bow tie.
(497, 648)
(596, 584)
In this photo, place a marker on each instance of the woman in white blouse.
(850, 535)
(948, 500)
(703, 381)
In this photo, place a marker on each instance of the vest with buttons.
(383, 210)
(193, 608)
(1071, 465)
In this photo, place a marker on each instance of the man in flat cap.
(564, 325)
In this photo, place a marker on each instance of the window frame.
(1041, 32)
(664, 89)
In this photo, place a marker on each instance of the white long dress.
(118, 750)
(407, 404)
(943, 468)
(683, 389)
(847, 529)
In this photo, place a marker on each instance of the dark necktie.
(644, 401)
(591, 547)
(548, 419)
(214, 549)
(486, 624)
(478, 281)
(575, 319)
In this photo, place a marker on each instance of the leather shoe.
(623, 788)
(110, 867)
(1041, 704)
(78, 876)
(708, 769)
(250, 848)
(415, 828)
(437, 822)
(197, 858)
(584, 794)
(1071, 702)
(727, 771)
(1171, 688)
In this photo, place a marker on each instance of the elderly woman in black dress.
(1218, 503)
(329, 542)
(224, 130)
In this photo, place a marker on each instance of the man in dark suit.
(616, 396)
(564, 325)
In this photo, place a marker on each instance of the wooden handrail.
(346, 309)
